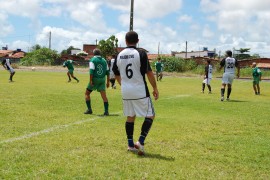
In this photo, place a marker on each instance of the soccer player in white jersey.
(130, 68)
(229, 64)
(207, 76)
(7, 65)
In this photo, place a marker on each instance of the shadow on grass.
(236, 101)
(157, 156)
(101, 115)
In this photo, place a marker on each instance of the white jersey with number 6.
(132, 65)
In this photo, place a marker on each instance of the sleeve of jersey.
(145, 65)
(92, 67)
(222, 63)
(115, 68)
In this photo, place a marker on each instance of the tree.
(35, 47)
(243, 50)
(42, 56)
(108, 47)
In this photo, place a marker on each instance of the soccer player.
(229, 64)
(112, 76)
(207, 76)
(7, 65)
(69, 64)
(130, 68)
(98, 70)
(257, 77)
(159, 69)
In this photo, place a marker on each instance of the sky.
(163, 25)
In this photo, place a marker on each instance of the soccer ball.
(33, 68)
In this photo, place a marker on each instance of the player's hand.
(155, 94)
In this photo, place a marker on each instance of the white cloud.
(207, 33)
(185, 18)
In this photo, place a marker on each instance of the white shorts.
(140, 107)
(227, 78)
(207, 81)
(11, 70)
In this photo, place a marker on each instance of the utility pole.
(186, 49)
(50, 39)
(131, 15)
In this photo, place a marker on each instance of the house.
(204, 53)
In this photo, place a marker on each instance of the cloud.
(185, 18)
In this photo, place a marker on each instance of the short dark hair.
(132, 37)
(97, 51)
(208, 61)
(229, 53)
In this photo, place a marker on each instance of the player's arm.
(222, 64)
(116, 72)
(108, 76)
(153, 83)
(92, 69)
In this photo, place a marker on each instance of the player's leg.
(105, 101)
(88, 101)
(222, 91)
(255, 87)
(144, 107)
(258, 88)
(129, 126)
(157, 75)
(11, 76)
(203, 87)
(160, 76)
(72, 75)
(68, 74)
(229, 90)
(209, 86)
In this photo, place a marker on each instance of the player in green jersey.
(69, 64)
(159, 69)
(98, 71)
(257, 77)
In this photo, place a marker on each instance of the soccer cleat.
(78, 81)
(132, 149)
(140, 148)
(227, 99)
(69, 80)
(88, 111)
(210, 92)
(222, 98)
(202, 91)
(106, 114)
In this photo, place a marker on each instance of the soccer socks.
(203, 86)
(145, 129)
(229, 92)
(209, 87)
(88, 104)
(106, 106)
(129, 132)
(222, 91)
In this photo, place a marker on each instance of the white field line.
(45, 131)
(55, 128)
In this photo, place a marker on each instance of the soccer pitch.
(45, 135)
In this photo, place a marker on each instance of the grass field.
(45, 135)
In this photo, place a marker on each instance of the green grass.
(45, 135)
